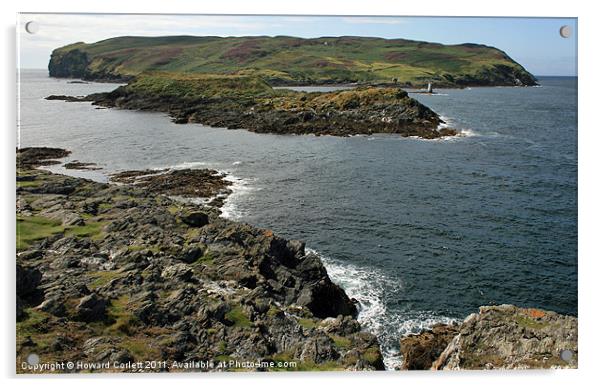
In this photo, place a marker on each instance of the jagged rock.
(419, 351)
(222, 289)
(91, 308)
(177, 272)
(510, 337)
(325, 299)
(318, 350)
(54, 305)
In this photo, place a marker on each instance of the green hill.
(283, 60)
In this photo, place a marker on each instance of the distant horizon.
(534, 43)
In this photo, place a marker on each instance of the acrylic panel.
(201, 193)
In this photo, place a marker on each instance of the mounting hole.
(32, 27)
(565, 31)
(33, 359)
(566, 355)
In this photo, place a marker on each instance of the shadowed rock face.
(141, 276)
(498, 337)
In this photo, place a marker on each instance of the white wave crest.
(370, 286)
(240, 188)
(468, 133)
(189, 165)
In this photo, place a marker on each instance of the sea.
(418, 231)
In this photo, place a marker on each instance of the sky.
(535, 43)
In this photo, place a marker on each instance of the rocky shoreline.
(129, 272)
(245, 102)
(120, 274)
(497, 337)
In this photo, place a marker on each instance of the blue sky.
(533, 42)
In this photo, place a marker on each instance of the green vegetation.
(283, 59)
(123, 319)
(35, 323)
(341, 342)
(34, 228)
(307, 323)
(199, 86)
(31, 229)
(238, 317)
(207, 259)
(30, 183)
(372, 355)
(101, 278)
(527, 322)
(91, 229)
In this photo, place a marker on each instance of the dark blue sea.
(419, 231)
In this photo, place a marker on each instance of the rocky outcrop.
(237, 102)
(34, 157)
(147, 277)
(190, 183)
(421, 350)
(498, 337)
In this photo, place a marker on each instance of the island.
(285, 60)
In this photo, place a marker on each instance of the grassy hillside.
(289, 60)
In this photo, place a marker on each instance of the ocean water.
(418, 231)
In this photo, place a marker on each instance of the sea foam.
(370, 286)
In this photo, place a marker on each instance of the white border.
(590, 194)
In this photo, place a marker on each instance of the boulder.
(195, 219)
(191, 254)
(326, 299)
(91, 308)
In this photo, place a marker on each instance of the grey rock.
(91, 308)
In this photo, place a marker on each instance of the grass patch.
(35, 323)
(527, 322)
(31, 229)
(207, 259)
(238, 318)
(105, 206)
(91, 230)
(307, 323)
(124, 321)
(31, 183)
(101, 278)
(341, 342)
(372, 355)
(140, 347)
(273, 311)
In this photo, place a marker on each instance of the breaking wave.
(370, 287)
